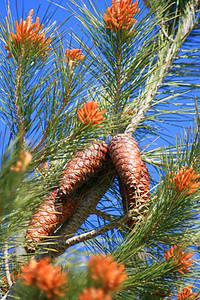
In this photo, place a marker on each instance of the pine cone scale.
(125, 156)
(83, 166)
(135, 198)
(51, 214)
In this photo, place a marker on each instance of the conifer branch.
(149, 232)
(89, 235)
(108, 217)
(103, 215)
(71, 241)
(8, 277)
(68, 241)
(5, 296)
(88, 205)
(170, 52)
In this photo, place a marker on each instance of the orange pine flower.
(120, 15)
(187, 294)
(90, 114)
(21, 165)
(93, 294)
(47, 278)
(74, 55)
(105, 271)
(27, 35)
(185, 180)
(181, 263)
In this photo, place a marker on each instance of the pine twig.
(8, 277)
(108, 217)
(87, 236)
(64, 236)
(103, 215)
(5, 296)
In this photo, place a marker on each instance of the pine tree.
(90, 206)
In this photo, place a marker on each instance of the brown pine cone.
(88, 195)
(82, 167)
(125, 155)
(136, 199)
(143, 186)
(107, 172)
(53, 212)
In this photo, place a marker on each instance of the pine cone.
(53, 212)
(136, 199)
(125, 155)
(82, 167)
(107, 172)
(87, 197)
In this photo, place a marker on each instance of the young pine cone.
(82, 167)
(136, 199)
(53, 212)
(125, 155)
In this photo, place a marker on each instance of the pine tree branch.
(108, 217)
(8, 277)
(5, 296)
(169, 52)
(103, 215)
(117, 223)
(89, 235)
(71, 241)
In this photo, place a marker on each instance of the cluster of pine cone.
(124, 156)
